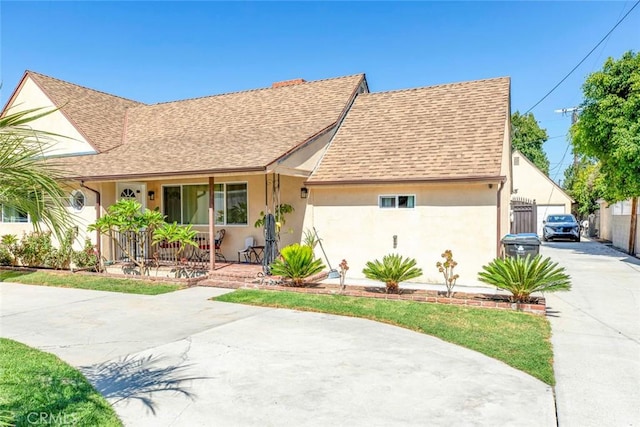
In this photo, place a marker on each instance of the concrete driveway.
(180, 360)
(596, 336)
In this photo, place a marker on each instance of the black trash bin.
(521, 245)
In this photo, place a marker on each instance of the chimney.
(287, 83)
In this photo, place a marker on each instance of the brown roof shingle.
(97, 115)
(451, 131)
(231, 132)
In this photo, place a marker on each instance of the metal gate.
(524, 215)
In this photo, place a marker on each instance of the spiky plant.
(29, 181)
(392, 270)
(524, 276)
(296, 263)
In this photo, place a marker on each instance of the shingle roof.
(452, 131)
(97, 115)
(230, 132)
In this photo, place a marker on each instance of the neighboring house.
(415, 171)
(529, 182)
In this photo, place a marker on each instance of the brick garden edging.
(459, 298)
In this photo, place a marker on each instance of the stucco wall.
(30, 96)
(457, 217)
(620, 226)
(531, 183)
(606, 218)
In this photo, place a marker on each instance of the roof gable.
(98, 116)
(542, 177)
(446, 132)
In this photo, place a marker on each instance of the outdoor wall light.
(304, 192)
(152, 195)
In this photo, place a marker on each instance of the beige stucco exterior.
(30, 96)
(531, 183)
(615, 225)
(460, 217)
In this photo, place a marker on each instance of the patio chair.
(218, 242)
(246, 252)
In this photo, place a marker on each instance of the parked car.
(561, 226)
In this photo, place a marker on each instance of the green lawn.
(37, 388)
(520, 340)
(83, 281)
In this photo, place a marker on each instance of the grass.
(37, 388)
(520, 340)
(82, 281)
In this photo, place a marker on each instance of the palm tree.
(29, 182)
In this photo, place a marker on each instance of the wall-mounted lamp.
(304, 192)
(490, 185)
(152, 195)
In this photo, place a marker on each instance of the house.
(415, 171)
(531, 183)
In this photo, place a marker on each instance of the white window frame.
(2, 220)
(224, 201)
(397, 200)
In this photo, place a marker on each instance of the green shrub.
(60, 258)
(524, 276)
(5, 256)
(9, 249)
(87, 257)
(35, 249)
(392, 270)
(296, 264)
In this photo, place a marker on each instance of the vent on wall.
(516, 161)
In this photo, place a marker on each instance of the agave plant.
(392, 270)
(524, 276)
(296, 262)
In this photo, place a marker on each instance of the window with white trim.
(400, 201)
(189, 204)
(9, 214)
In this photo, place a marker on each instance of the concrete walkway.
(180, 360)
(596, 336)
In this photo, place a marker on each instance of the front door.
(132, 190)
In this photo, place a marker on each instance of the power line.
(585, 58)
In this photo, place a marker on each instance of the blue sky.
(162, 51)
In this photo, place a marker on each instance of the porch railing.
(139, 245)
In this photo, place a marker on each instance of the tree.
(585, 184)
(125, 225)
(29, 182)
(608, 128)
(528, 138)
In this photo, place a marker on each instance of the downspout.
(98, 239)
(498, 220)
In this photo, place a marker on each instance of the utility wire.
(585, 58)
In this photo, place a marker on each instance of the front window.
(9, 214)
(189, 204)
(397, 201)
